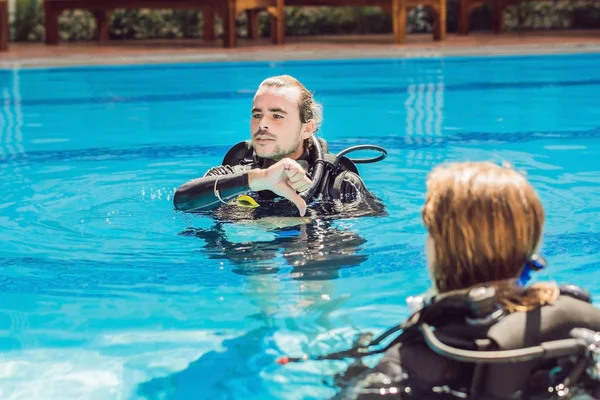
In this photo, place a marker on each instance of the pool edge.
(270, 54)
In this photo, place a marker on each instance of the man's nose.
(263, 124)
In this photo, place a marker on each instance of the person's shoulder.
(238, 152)
(559, 317)
(347, 183)
(237, 159)
(572, 310)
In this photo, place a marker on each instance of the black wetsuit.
(198, 195)
(411, 363)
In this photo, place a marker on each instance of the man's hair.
(309, 108)
(486, 222)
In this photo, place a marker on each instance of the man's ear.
(308, 129)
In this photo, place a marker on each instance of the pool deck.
(23, 55)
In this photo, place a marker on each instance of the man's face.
(276, 129)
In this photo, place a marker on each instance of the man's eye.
(255, 115)
(277, 116)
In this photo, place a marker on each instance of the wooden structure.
(398, 9)
(227, 10)
(4, 25)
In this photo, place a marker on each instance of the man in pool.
(281, 159)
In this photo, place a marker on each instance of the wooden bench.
(275, 8)
(396, 8)
(225, 9)
(4, 25)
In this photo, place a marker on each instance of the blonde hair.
(310, 110)
(486, 222)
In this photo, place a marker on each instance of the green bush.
(28, 23)
(143, 24)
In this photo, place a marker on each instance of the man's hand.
(286, 178)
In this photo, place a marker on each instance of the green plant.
(28, 20)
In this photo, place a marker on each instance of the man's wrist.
(255, 178)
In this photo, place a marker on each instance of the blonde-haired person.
(280, 157)
(484, 225)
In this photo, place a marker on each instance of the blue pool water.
(104, 292)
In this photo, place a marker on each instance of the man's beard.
(278, 153)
